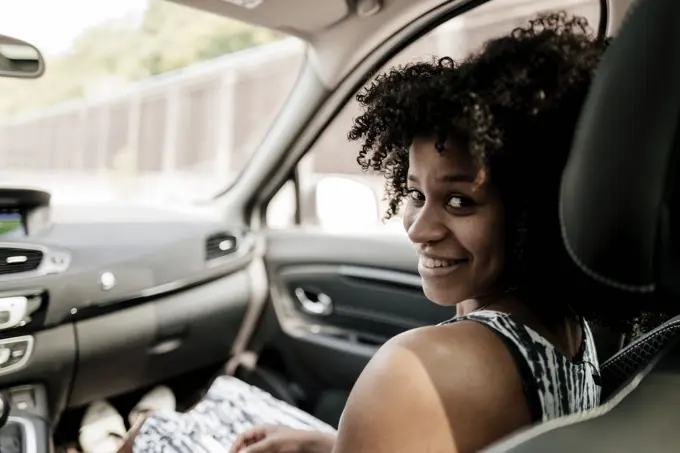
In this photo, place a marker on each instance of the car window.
(142, 101)
(344, 197)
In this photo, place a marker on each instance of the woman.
(473, 153)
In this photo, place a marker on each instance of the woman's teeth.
(433, 263)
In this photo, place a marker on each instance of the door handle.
(165, 347)
(314, 303)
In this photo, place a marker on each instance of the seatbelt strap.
(259, 284)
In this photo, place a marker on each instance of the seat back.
(616, 371)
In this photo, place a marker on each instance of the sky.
(52, 25)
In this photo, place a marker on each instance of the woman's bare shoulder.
(443, 388)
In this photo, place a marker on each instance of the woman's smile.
(430, 267)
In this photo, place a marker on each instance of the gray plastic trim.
(226, 266)
(24, 360)
(380, 275)
(30, 435)
(55, 261)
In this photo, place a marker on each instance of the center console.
(24, 414)
(24, 421)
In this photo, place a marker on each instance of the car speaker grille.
(219, 245)
(16, 260)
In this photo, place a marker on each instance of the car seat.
(620, 214)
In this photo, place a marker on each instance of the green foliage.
(169, 36)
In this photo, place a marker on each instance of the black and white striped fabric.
(555, 386)
(231, 406)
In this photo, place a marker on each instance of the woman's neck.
(470, 306)
(504, 300)
(561, 327)
(496, 301)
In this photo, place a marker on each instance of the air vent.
(219, 245)
(15, 260)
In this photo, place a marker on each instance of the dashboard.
(100, 300)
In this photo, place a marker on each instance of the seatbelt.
(259, 283)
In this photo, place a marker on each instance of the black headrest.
(620, 201)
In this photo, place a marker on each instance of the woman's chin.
(442, 297)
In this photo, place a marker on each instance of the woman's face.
(455, 221)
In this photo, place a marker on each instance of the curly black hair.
(515, 104)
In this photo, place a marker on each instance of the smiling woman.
(455, 142)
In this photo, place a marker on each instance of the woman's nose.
(425, 225)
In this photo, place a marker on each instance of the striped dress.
(554, 386)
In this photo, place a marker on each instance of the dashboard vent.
(15, 260)
(219, 245)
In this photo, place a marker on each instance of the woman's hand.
(279, 439)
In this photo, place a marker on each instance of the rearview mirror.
(343, 203)
(20, 59)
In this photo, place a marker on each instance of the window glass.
(142, 101)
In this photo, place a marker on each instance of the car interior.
(108, 309)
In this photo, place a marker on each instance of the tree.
(169, 36)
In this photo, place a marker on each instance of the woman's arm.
(448, 389)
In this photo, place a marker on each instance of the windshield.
(142, 101)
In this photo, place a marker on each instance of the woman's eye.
(416, 195)
(458, 202)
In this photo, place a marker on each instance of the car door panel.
(373, 248)
(376, 303)
(371, 281)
